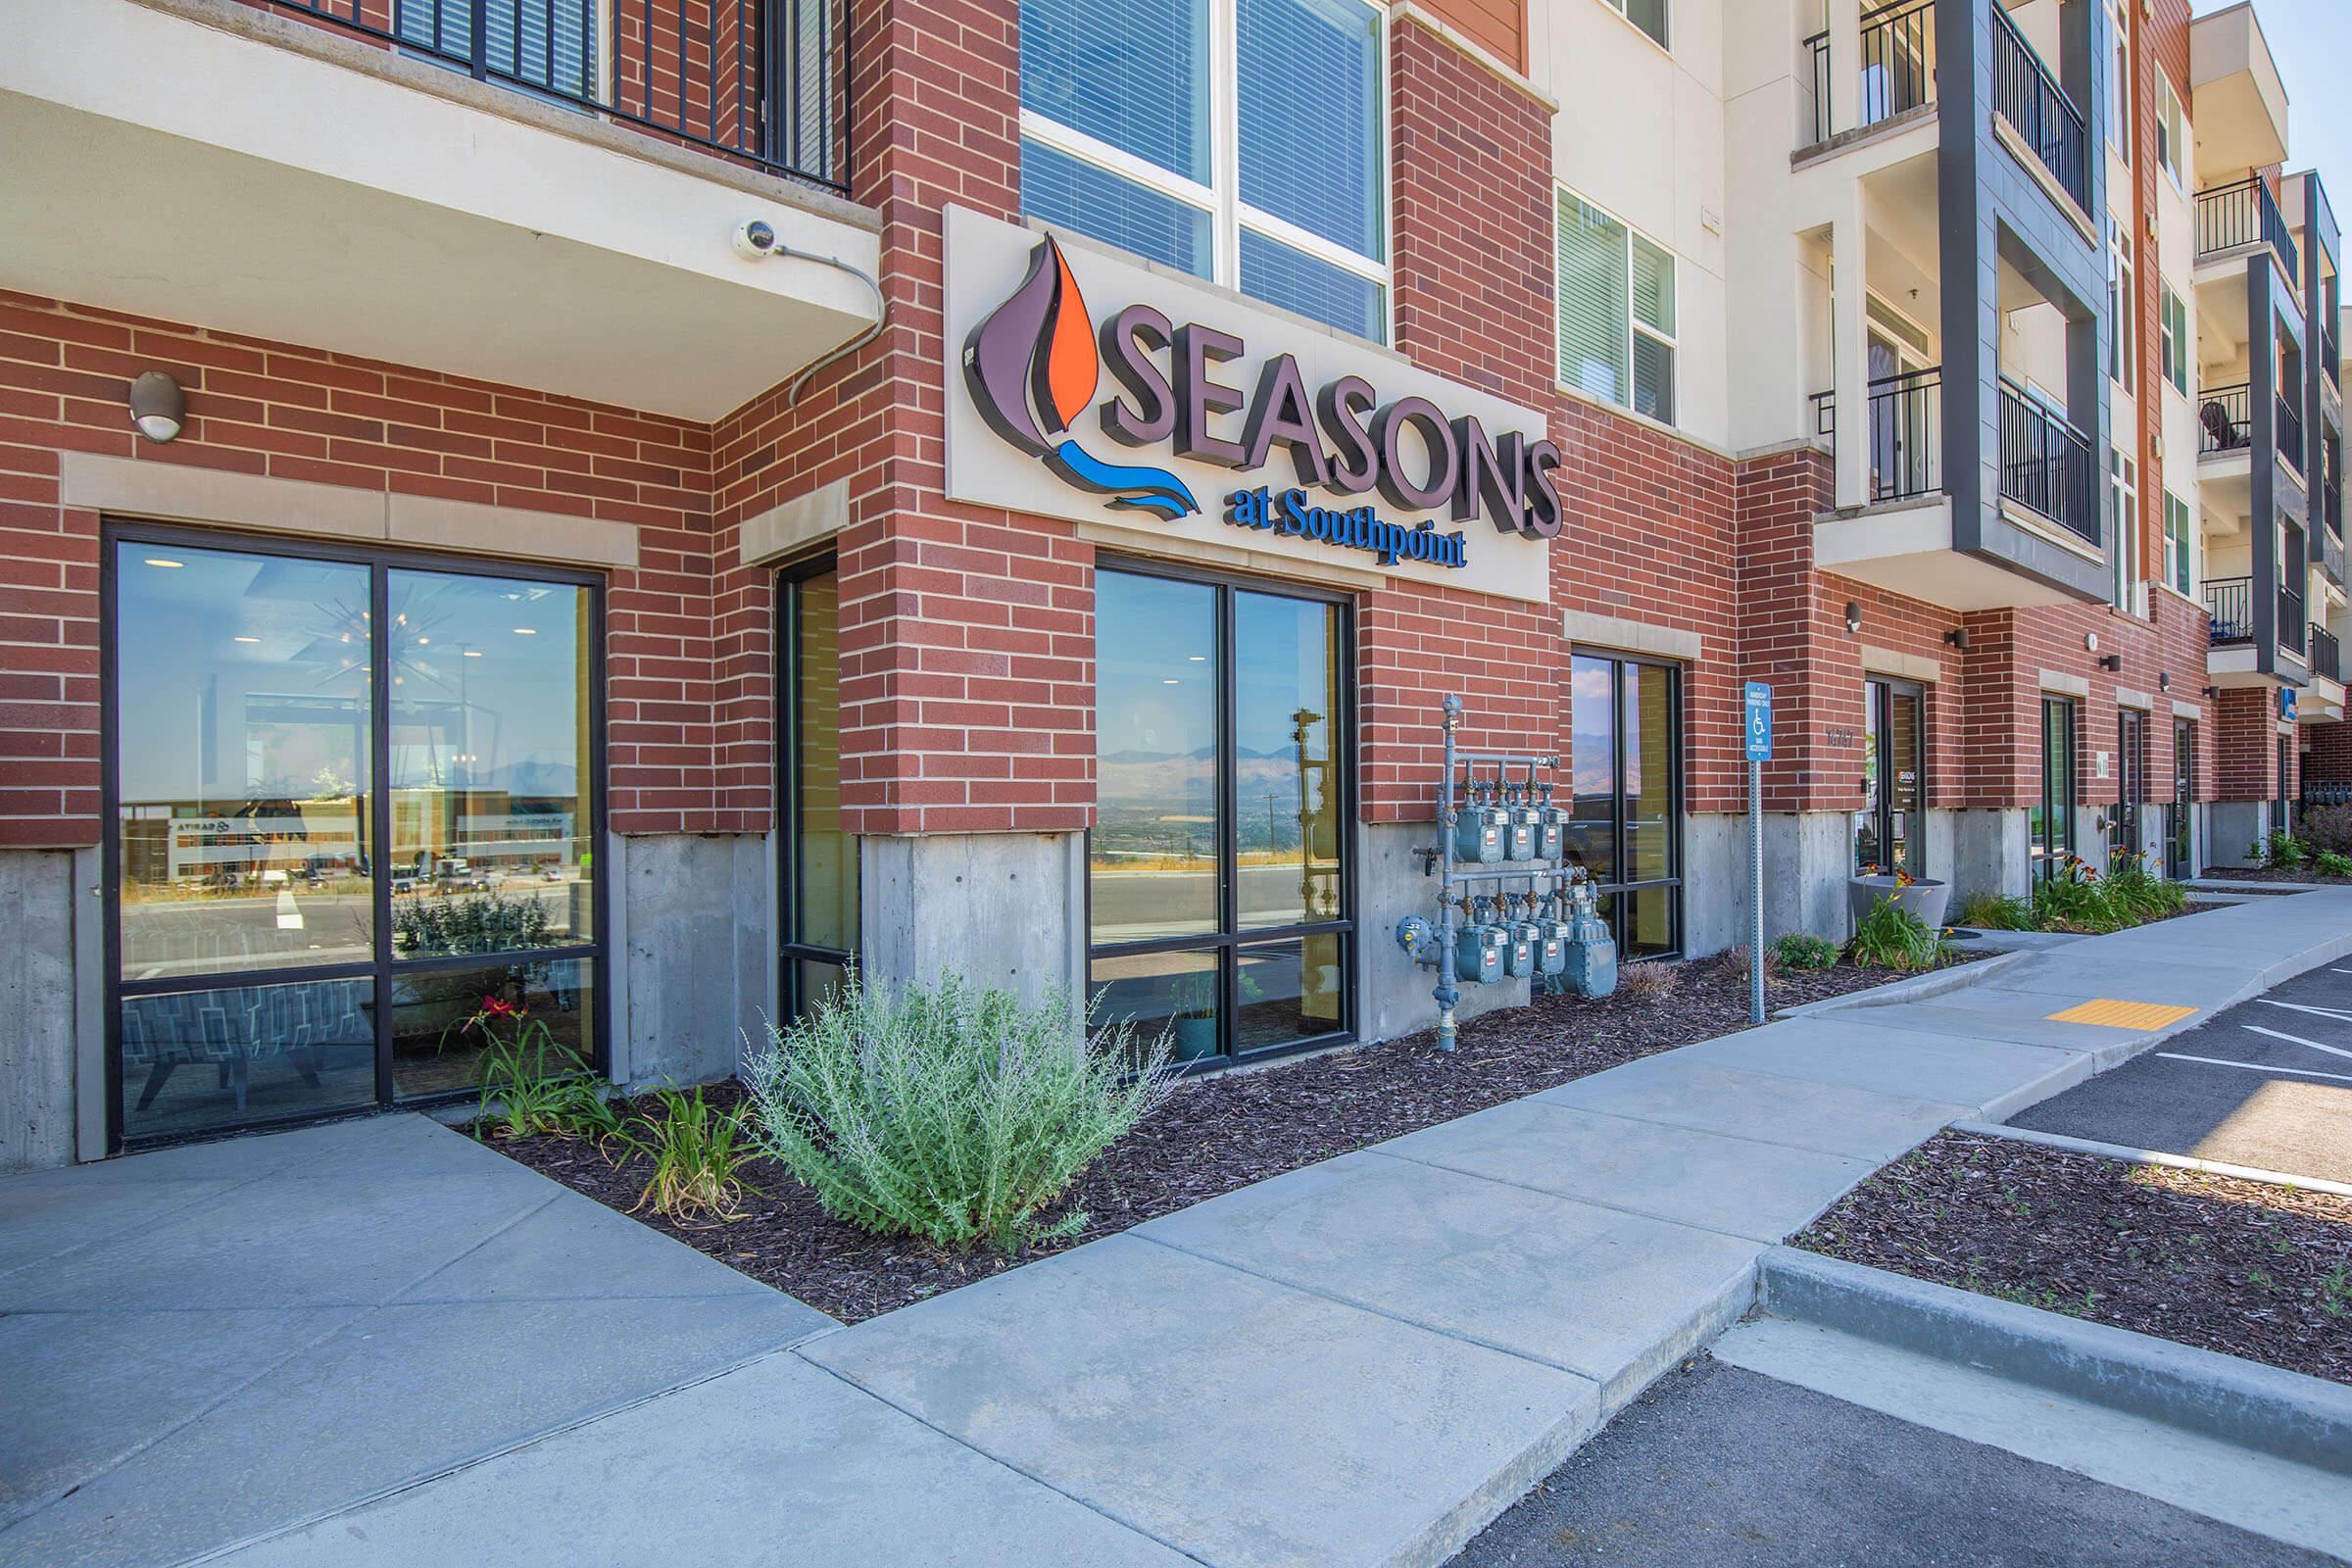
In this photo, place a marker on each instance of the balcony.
(2325, 661)
(2029, 97)
(760, 81)
(2224, 420)
(2240, 215)
(1906, 433)
(2291, 624)
(2229, 611)
(1898, 65)
(537, 193)
(2046, 464)
(2240, 101)
(2287, 420)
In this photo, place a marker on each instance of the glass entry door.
(1219, 884)
(817, 859)
(1891, 830)
(1625, 765)
(2051, 821)
(2179, 847)
(352, 802)
(2131, 777)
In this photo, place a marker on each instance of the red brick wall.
(2328, 753)
(262, 408)
(2246, 753)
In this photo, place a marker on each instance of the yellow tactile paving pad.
(2114, 1015)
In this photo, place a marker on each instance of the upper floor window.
(1284, 197)
(2123, 307)
(1616, 309)
(2123, 489)
(1647, 15)
(2119, 97)
(2177, 543)
(2170, 147)
(2174, 318)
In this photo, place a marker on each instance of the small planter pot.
(1925, 898)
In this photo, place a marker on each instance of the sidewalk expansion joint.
(1579, 1198)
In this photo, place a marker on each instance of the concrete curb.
(1919, 987)
(2152, 1156)
(2303, 1419)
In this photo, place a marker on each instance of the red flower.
(497, 1007)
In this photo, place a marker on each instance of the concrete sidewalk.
(1361, 1362)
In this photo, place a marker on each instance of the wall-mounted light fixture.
(156, 405)
(2211, 694)
(2091, 642)
(2113, 662)
(1958, 638)
(1853, 616)
(2164, 680)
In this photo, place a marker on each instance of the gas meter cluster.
(1509, 907)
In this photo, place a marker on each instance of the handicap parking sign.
(1759, 722)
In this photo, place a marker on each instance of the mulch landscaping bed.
(2242, 1267)
(2268, 873)
(1217, 1133)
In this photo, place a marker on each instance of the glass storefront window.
(489, 749)
(325, 766)
(1625, 758)
(1222, 790)
(819, 856)
(241, 813)
(434, 1051)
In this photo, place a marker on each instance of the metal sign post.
(1759, 752)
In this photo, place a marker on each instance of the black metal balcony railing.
(1906, 432)
(2030, 98)
(2328, 356)
(2326, 660)
(2244, 212)
(2229, 610)
(2291, 619)
(2046, 464)
(762, 80)
(1898, 65)
(2289, 425)
(2224, 420)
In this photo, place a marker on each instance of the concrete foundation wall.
(2233, 827)
(38, 1003)
(1992, 852)
(1807, 858)
(696, 955)
(1392, 992)
(1004, 909)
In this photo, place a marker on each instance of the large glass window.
(2132, 780)
(1217, 870)
(1891, 830)
(1286, 200)
(2180, 827)
(2051, 821)
(820, 859)
(1616, 310)
(351, 800)
(1625, 760)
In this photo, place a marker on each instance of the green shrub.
(2076, 900)
(1997, 912)
(2283, 851)
(1891, 937)
(481, 924)
(949, 1112)
(698, 1154)
(2136, 895)
(1802, 949)
(532, 1082)
(2330, 864)
(2328, 827)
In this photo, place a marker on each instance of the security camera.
(754, 239)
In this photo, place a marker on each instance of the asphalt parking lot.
(2267, 1084)
(1721, 1466)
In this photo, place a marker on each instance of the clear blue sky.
(2312, 41)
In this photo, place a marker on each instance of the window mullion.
(1117, 160)
(1225, 135)
(379, 813)
(1306, 240)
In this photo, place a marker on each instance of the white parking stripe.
(2339, 1015)
(2256, 1067)
(2296, 1040)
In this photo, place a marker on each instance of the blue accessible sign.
(1759, 722)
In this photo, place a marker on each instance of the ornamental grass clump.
(952, 1112)
(1891, 937)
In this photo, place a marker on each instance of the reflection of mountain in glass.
(1148, 801)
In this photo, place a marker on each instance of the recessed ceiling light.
(473, 652)
(422, 641)
(248, 639)
(158, 561)
(1167, 683)
(526, 632)
(1199, 659)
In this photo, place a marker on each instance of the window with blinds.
(1286, 202)
(548, 44)
(1616, 310)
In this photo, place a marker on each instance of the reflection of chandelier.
(413, 652)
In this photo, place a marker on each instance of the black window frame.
(2132, 779)
(2052, 854)
(1877, 697)
(382, 969)
(1228, 942)
(1677, 765)
(790, 950)
(2180, 839)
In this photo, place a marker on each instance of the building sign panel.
(1085, 387)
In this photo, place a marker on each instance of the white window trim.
(1673, 340)
(2120, 62)
(1229, 215)
(2178, 118)
(2122, 276)
(1665, 44)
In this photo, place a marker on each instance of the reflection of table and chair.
(231, 1030)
